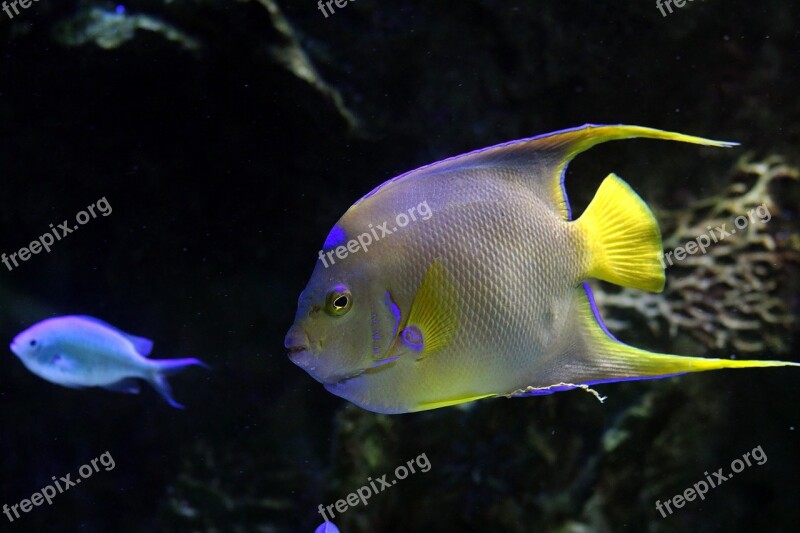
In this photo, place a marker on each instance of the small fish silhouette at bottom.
(82, 351)
(327, 527)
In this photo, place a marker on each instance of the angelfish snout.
(297, 343)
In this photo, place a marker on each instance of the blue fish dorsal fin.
(541, 161)
(140, 344)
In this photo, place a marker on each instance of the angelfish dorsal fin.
(551, 153)
(433, 318)
(540, 161)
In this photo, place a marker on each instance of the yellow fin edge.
(425, 406)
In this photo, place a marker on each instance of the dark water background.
(225, 170)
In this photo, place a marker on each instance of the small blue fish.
(81, 351)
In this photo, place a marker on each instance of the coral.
(291, 55)
(109, 29)
(204, 498)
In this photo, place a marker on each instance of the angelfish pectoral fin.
(598, 357)
(433, 319)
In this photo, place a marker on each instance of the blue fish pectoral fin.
(433, 318)
(595, 356)
(620, 238)
(142, 346)
(170, 367)
(126, 385)
(65, 363)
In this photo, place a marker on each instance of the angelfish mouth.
(302, 357)
(296, 349)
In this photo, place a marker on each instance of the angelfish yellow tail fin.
(622, 238)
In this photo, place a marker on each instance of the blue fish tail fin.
(169, 367)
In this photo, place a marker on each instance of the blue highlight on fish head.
(337, 237)
(120, 9)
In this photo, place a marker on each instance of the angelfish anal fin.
(594, 356)
(433, 319)
(126, 386)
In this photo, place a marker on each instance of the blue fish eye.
(33, 342)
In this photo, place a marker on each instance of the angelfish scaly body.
(82, 351)
(487, 296)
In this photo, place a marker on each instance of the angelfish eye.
(33, 342)
(339, 301)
